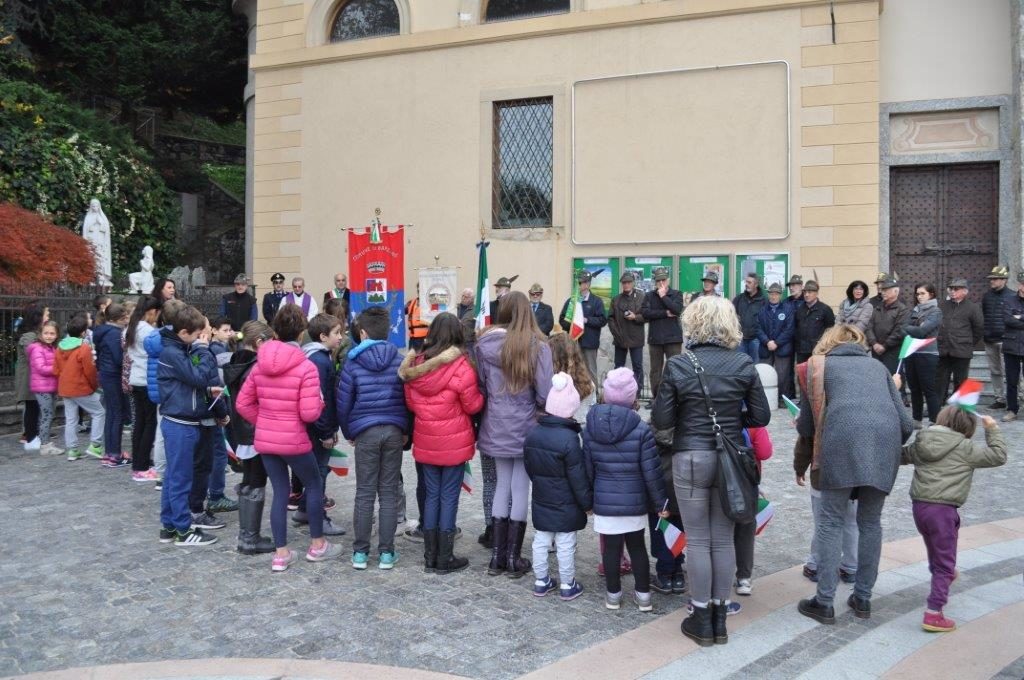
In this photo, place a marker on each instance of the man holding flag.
(583, 318)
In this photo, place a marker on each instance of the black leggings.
(144, 430)
(254, 475)
(638, 556)
(30, 419)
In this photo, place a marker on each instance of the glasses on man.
(537, 294)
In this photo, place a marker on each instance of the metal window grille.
(507, 10)
(522, 165)
(358, 19)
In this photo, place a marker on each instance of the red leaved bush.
(33, 250)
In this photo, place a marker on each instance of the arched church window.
(501, 10)
(357, 19)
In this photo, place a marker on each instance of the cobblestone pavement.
(85, 582)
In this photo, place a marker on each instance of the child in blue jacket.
(109, 357)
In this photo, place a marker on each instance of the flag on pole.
(765, 511)
(338, 463)
(467, 478)
(483, 293)
(911, 345)
(793, 409)
(966, 397)
(674, 538)
(575, 314)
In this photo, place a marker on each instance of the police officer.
(272, 300)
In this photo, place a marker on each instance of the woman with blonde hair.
(712, 335)
(863, 406)
(514, 367)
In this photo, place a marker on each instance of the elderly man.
(748, 306)
(627, 326)
(300, 297)
(501, 288)
(272, 299)
(962, 329)
(776, 328)
(594, 320)
(239, 305)
(661, 309)
(340, 290)
(466, 311)
(885, 332)
(876, 299)
(542, 312)
(812, 318)
(996, 298)
(708, 288)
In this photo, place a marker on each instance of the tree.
(37, 251)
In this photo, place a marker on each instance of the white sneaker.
(50, 449)
(33, 445)
(743, 586)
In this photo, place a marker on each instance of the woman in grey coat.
(856, 309)
(921, 366)
(852, 410)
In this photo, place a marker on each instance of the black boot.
(429, 550)
(718, 614)
(812, 609)
(499, 549)
(250, 519)
(697, 626)
(486, 539)
(518, 566)
(446, 561)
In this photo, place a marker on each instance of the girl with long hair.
(141, 324)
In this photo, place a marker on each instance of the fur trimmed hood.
(409, 370)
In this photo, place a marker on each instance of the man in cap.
(594, 321)
(661, 309)
(300, 297)
(793, 301)
(542, 312)
(501, 289)
(812, 319)
(340, 290)
(962, 329)
(748, 306)
(796, 291)
(885, 332)
(709, 287)
(272, 299)
(627, 326)
(992, 304)
(775, 329)
(876, 299)
(1013, 347)
(239, 305)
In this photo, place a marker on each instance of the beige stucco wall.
(403, 124)
(942, 49)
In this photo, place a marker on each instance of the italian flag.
(967, 396)
(338, 463)
(467, 478)
(674, 538)
(575, 314)
(227, 445)
(793, 409)
(765, 511)
(483, 294)
(911, 345)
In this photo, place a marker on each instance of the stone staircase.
(979, 371)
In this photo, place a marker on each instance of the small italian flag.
(467, 478)
(575, 314)
(339, 463)
(674, 538)
(231, 452)
(967, 396)
(911, 345)
(765, 511)
(793, 409)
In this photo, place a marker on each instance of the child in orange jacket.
(77, 382)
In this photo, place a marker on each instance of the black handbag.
(737, 476)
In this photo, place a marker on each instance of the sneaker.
(998, 404)
(159, 483)
(542, 588)
(733, 608)
(223, 504)
(50, 449)
(193, 537)
(111, 462)
(612, 600)
(415, 534)
(743, 586)
(332, 529)
(282, 563)
(663, 584)
(643, 601)
(387, 560)
(847, 576)
(74, 454)
(94, 450)
(293, 501)
(1008, 418)
(33, 445)
(810, 574)
(167, 535)
(360, 560)
(936, 622)
(327, 551)
(328, 503)
(144, 476)
(204, 520)
(678, 584)
(571, 592)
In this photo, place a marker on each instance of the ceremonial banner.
(483, 290)
(376, 265)
(438, 292)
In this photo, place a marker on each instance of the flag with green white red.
(765, 511)
(674, 538)
(574, 315)
(967, 395)
(467, 478)
(338, 462)
(793, 409)
(911, 345)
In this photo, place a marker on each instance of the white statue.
(96, 230)
(142, 280)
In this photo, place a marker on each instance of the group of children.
(279, 395)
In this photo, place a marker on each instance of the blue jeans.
(113, 400)
(443, 484)
(666, 565)
(202, 462)
(179, 446)
(220, 462)
(752, 348)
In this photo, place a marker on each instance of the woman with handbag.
(701, 395)
(843, 382)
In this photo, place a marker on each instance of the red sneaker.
(937, 623)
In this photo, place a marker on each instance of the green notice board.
(643, 270)
(771, 267)
(692, 269)
(606, 276)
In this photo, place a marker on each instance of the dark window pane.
(522, 182)
(365, 19)
(499, 10)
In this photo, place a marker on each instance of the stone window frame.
(323, 13)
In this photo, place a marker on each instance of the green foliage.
(198, 127)
(231, 178)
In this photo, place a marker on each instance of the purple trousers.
(939, 526)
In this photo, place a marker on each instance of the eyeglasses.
(537, 294)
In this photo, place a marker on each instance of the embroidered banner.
(376, 265)
(438, 292)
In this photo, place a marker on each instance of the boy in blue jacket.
(109, 354)
(372, 415)
(187, 381)
(153, 344)
(325, 334)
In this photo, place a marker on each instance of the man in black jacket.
(886, 331)
(501, 289)
(627, 326)
(662, 308)
(542, 312)
(876, 299)
(813, 318)
(272, 299)
(594, 321)
(239, 305)
(748, 306)
(1013, 347)
(962, 329)
(708, 288)
(997, 296)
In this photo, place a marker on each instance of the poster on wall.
(693, 269)
(376, 266)
(771, 267)
(606, 276)
(643, 270)
(437, 291)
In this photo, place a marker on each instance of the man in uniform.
(501, 289)
(542, 312)
(627, 326)
(594, 320)
(239, 305)
(272, 299)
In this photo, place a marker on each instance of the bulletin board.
(771, 267)
(643, 270)
(692, 269)
(606, 272)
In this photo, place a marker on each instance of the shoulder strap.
(699, 370)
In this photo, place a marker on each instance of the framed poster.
(606, 277)
(771, 267)
(643, 270)
(693, 268)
